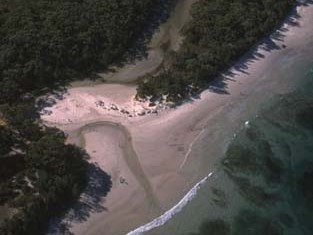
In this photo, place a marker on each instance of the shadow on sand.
(159, 14)
(275, 41)
(91, 201)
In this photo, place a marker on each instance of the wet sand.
(164, 147)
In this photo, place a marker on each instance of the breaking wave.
(161, 220)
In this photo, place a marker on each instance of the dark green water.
(264, 182)
(269, 166)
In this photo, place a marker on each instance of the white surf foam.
(161, 220)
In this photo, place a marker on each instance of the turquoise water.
(263, 184)
(270, 162)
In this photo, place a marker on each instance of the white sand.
(166, 143)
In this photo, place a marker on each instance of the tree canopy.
(219, 33)
(39, 174)
(44, 42)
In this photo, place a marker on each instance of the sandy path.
(170, 145)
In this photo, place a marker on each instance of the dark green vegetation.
(220, 32)
(271, 166)
(46, 42)
(39, 173)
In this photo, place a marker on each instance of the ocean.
(262, 182)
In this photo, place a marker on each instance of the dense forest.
(44, 44)
(219, 33)
(39, 174)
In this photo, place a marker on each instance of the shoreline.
(166, 143)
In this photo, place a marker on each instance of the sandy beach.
(152, 153)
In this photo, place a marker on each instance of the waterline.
(161, 220)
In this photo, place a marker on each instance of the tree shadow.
(50, 98)
(273, 41)
(91, 201)
(138, 50)
(159, 15)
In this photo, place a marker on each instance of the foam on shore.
(161, 220)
